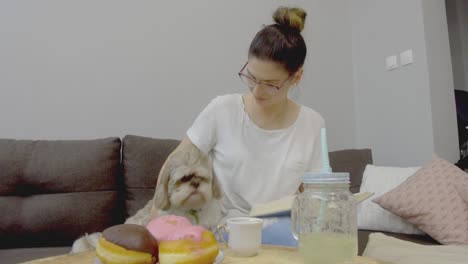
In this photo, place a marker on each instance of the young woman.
(261, 143)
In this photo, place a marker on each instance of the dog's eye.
(187, 178)
(202, 179)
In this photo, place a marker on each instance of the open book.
(283, 206)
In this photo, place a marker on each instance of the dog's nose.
(195, 184)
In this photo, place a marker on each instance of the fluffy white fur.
(186, 187)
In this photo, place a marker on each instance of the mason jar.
(324, 219)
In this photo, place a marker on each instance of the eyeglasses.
(251, 82)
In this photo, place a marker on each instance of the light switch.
(406, 57)
(391, 62)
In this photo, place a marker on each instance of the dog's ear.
(161, 199)
(216, 188)
(205, 160)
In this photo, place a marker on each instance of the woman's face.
(271, 82)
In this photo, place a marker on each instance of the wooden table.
(267, 254)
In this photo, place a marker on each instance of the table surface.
(268, 254)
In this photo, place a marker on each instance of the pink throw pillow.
(435, 200)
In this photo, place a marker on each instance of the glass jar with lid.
(324, 218)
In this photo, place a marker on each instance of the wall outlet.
(406, 57)
(391, 62)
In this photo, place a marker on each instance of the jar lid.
(326, 177)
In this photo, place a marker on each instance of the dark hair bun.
(293, 18)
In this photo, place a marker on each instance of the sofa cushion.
(142, 158)
(363, 239)
(379, 180)
(51, 192)
(392, 250)
(433, 199)
(353, 161)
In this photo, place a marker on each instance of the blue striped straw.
(325, 161)
(325, 169)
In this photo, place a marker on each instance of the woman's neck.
(274, 116)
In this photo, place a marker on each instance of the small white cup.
(245, 235)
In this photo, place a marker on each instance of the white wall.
(443, 109)
(394, 109)
(329, 78)
(88, 69)
(457, 17)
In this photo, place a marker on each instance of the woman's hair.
(282, 42)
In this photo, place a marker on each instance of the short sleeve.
(203, 131)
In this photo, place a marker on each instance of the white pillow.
(380, 180)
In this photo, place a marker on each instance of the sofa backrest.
(51, 192)
(142, 159)
(353, 161)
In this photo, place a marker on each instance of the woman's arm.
(184, 145)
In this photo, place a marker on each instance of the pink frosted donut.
(168, 227)
(180, 242)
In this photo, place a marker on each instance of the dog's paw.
(85, 243)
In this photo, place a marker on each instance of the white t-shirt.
(255, 165)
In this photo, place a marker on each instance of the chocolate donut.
(127, 243)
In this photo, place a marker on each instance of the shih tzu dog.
(186, 187)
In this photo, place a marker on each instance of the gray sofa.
(52, 192)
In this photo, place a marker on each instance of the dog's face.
(190, 186)
(186, 182)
